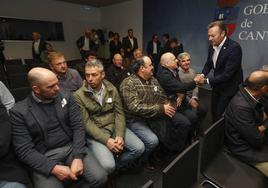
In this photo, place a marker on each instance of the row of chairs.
(207, 160)
(14, 75)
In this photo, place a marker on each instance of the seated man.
(116, 73)
(185, 120)
(104, 120)
(49, 136)
(69, 79)
(186, 74)
(6, 97)
(146, 107)
(11, 172)
(246, 123)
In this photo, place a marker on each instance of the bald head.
(37, 76)
(257, 80)
(168, 60)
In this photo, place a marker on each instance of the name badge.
(109, 100)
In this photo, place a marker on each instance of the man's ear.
(103, 74)
(36, 89)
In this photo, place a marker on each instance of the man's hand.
(261, 129)
(193, 103)
(199, 79)
(77, 167)
(111, 145)
(264, 116)
(63, 173)
(120, 141)
(180, 98)
(169, 110)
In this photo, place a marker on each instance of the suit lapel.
(222, 52)
(60, 105)
(40, 119)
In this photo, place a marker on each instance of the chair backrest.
(16, 69)
(148, 184)
(13, 61)
(182, 171)
(213, 141)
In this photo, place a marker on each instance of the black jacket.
(126, 44)
(10, 168)
(242, 118)
(171, 84)
(30, 133)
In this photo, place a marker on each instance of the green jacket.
(102, 122)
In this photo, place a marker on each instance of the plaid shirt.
(143, 99)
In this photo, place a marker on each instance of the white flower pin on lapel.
(63, 102)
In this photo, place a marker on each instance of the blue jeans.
(133, 149)
(141, 129)
(8, 184)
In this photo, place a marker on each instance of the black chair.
(17, 81)
(148, 184)
(13, 61)
(20, 93)
(74, 62)
(43, 65)
(223, 169)
(183, 170)
(16, 69)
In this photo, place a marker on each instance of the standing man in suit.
(49, 135)
(85, 44)
(224, 57)
(129, 44)
(38, 46)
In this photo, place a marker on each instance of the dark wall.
(188, 19)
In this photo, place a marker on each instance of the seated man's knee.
(108, 165)
(181, 121)
(153, 141)
(97, 179)
(139, 149)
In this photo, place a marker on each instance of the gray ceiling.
(94, 3)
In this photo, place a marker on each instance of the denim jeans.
(133, 149)
(8, 184)
(141, 129)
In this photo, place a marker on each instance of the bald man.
(49, 137)
(185, 119)
(116, 73)
(246, 123)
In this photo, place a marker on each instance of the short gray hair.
(95, 63)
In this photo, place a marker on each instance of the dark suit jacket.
(166, 47)
(114, 48)
(42, 47)
(126, 44)
(81, 41)
(228, 73)
(10, 168)
(30, 133)
(150, 48)
(171, 84)
(2, 48)
(116, 75)
(242, 118)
